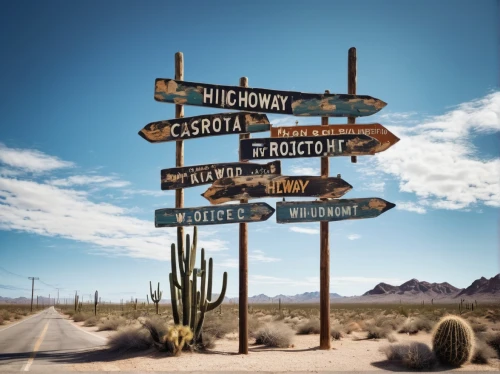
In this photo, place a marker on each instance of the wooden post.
(324, 266)
(179, 147)
(351, 84)
(243, 259)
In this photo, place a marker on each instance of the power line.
(7, 271)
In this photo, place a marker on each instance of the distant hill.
(414, 287)
(483, 286)
(306, 297)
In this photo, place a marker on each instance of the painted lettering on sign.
(286, 186)
(331, 210)
(213, 215)
(206, 125)
(192, 176)
(331, 145)
(264, 100)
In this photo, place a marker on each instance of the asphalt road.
(45, 341)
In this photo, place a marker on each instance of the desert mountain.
(306, 297)
(414, 287)
(483, 286)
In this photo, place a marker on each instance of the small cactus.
(453, 340)
(178, 336)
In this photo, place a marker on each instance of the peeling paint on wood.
(317, 146)
(197, 175)
(264, 100)
(374, 130)
(253, 187)
(208, 215)
(206, 125)
(331, 210)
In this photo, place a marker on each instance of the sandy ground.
(345, 355)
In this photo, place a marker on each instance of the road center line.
(35, 348)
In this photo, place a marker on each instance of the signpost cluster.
(241, 181)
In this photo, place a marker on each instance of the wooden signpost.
(374, 130)
(260, 186)
(192, 176)
(311, 146)
(206, 125)
(332, 210)
(208, 215)
(264, 100)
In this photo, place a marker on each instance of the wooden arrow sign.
(192, 176)
(206, 125)
(375, 130)
(331, 210)
(208, 215)
(311, 146)
(264, 100)
(260, 186)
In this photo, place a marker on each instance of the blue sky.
(78, 186)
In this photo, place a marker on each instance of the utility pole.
(32, 289)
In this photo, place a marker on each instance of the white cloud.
(353, 236)
(373, 186)
(410, 207)
(229, 263)
(154, 193)
(436, 159)
(259, 256)
(304, 230)
(83, 180)
(46, 209)
(30, 160)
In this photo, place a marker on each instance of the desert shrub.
(129, 338)
(493, 340)
(274, 335)
(91, 321)
(218, 326)
(18, 316)
(1, 320)
(80, 316)
(70, 312)
(176, 339)
(111, 323)
(376, 332)
(482, 353)
(415, 355)
(412, 325)
(157, 328)
(298, 313)
(292, 321)
(5, 315)
(254, 325)
(478, 327)
(207, 342)
(336, 332)
(352, 327)
(309, 327)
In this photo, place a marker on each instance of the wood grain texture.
(352, 78)
(179, 146)
(374, 130)
(208, 215)
(318, 146)
(332, 210)
(197, 175)
(265, 100)
(203, 126)
(262, 186)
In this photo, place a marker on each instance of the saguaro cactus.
(96, 298)
(156, 296)
(453, 341)
(195, 303)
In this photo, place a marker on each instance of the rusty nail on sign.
(331, 210)
(312, 146)
(264, 100)
(192, 176)
(208, 215)
(206, 125)
(260, 186)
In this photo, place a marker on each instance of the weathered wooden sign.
(208, 215)
(264, 100)
(311, 146)
(259, 186)
(206, 125)
(192, 176)
(331, 210)
(374, 130)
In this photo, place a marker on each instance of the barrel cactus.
(453, 341)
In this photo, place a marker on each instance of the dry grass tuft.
(336, 332)
(482, 353)
(493, 340)
(417, 356)
(130, 338)
(254, 325)
(91, 321)
(309, 327)
(376, 332)
(111, 323)
(80, 316)
(275, 334)
(218, 326)
(413, 325)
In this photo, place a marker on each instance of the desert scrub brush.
(453, 341)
